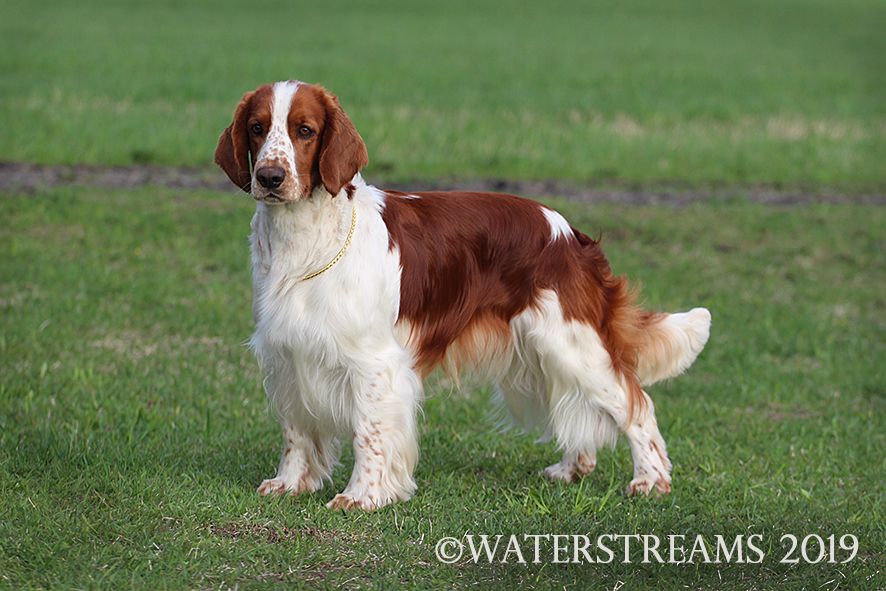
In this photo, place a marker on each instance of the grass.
(133, 429)
(786, 93)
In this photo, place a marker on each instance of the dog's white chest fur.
(319, 333)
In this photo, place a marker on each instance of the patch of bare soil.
(30, 178)
(22, 177)
(269, 534)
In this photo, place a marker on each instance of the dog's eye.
(256, 128)
(304, 132)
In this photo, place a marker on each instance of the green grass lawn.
(783, 93)
(133, 429)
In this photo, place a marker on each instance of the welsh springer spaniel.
(359, 293)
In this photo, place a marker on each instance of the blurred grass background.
(788, 93)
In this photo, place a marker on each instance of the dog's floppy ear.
(232, 152)
(342, 152)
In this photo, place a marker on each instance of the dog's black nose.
(270, 177)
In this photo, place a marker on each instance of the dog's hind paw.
(570, 470)
(646, 484)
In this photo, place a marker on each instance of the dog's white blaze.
(278, 148)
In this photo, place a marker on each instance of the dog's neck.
(302, 237)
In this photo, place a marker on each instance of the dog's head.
(296, 137)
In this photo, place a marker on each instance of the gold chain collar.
(341, 252)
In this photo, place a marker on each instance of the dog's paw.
(347, 502)
(272, 486)
(646, 484)
(282, 486)
(560, 472)
(570, 471)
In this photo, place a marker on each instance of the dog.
(359, 293)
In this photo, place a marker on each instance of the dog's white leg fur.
(585, 400)
(328, 347)
(652, 467)
(310, 451)
(385, 436)
(305, 462)
(522, 393)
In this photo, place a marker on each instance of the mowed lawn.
(787, 93)
(133, 428)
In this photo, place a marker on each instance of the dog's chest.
(346, 310)
(289, 311)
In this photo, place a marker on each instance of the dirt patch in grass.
(269, 534)
(22, 177)
(31, 178)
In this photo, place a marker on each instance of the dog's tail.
(669, 343)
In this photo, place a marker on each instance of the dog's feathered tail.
(670, 343)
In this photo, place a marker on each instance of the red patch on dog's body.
(474, 261)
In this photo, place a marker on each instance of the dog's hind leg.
(545, 385)
(522, 392)
(601, 407)
(581, 428)
(652, 467)
(589, 402)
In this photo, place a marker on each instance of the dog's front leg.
(385, 440)
(306, 461)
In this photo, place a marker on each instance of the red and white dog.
(360, 292)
